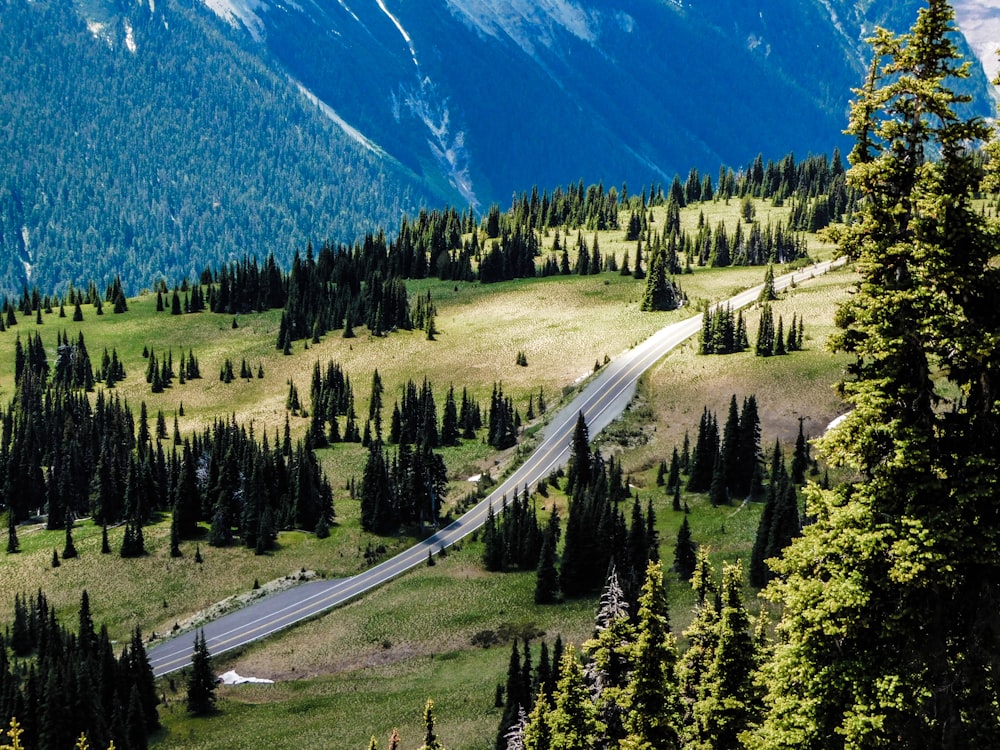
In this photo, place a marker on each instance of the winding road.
(601, 401)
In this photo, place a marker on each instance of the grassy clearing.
(369, 666)
(787, 388)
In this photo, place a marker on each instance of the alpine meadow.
(301, 447)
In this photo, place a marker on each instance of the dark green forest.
(205, 156)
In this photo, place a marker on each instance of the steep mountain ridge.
(146, 140)
(149, 138)
(492, 96)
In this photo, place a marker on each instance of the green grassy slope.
(368, 667)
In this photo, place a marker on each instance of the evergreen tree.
(547, 576)
(767, 293)
(765, 333)
(609, 659)
(660, 293)
(518, 698)
(654, 705)
(13, 545)
(728, 703)
(573, 719)
(705, 453)
(430, 738)
(896, 565)
(578, 470)
(685, 552)
(800, 458)
(201, 679)
(702, 637)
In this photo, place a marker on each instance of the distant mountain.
(493, 96)
(150, 138)
(148, 141)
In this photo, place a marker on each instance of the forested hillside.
(151, 139)
(147, 143)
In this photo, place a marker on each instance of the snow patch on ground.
(979, 20)
(232, 678)
(837, 422)
(245, 12)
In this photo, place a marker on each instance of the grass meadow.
(369, 666)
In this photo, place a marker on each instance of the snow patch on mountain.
(349, 129)
(838, 25)
(446, 143)
(529, 22)
(979, 20)
(130, 38)
(99, 31)
(402, 31)
(245, 12)
(26, 258)
(351, 12)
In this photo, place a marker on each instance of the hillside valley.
(281, 299)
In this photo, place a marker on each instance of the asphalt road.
(601, 401)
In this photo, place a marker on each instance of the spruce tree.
(654, 712)
(518, 698)
(898, 565)
(609, 659)
(430, 738)
(767, 293)
(685, 552)
(201, 679)
(729, 702)
(701, 635)
(659, 293)
(547, 576)
(13, 545)
(573, 719)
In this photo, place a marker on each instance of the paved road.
(601, 401)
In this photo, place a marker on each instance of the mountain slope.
(149, 139)
(144, 140)
(493, 96)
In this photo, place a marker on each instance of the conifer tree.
(767, 293)
(765, 333)
(800, 458)
(13, 545)
(430, 738)
(728, 703)
(517, 695)
(654, 706)
(573, 720)
(609, 659)
(685, 552)
(547, 576)
(201, 679)
(660, 293)
(896, 565)
(537, 734)
(578, 470)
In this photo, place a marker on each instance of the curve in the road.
(601, 401)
